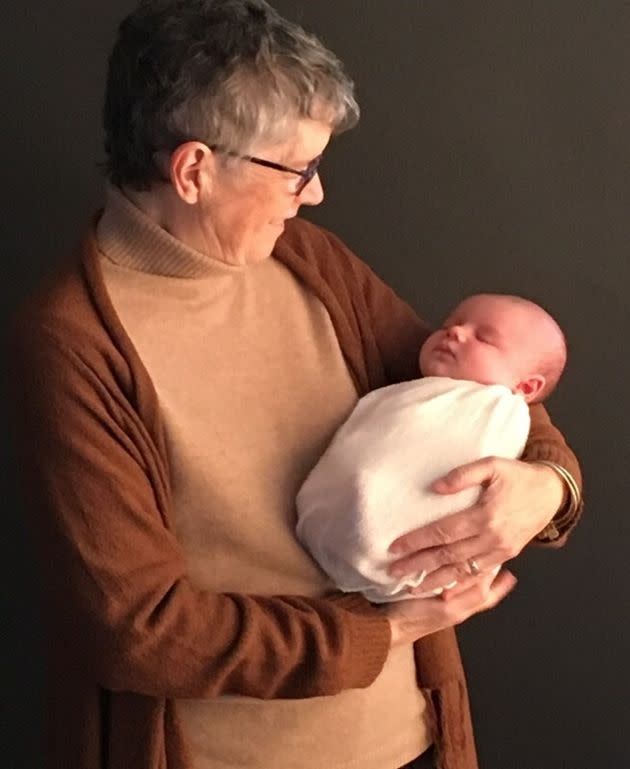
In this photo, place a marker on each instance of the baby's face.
(486, 339)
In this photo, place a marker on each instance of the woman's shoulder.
(46, 332)
(55, 305)
(60, 320)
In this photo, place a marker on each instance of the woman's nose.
(313, 193)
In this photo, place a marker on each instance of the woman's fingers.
(451, 529)
(466, 573)
(485, 593)
(517, 500)
(413, 619)
(456, 555)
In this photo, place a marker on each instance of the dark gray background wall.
(493, 154)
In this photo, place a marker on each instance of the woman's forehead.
(307, 139)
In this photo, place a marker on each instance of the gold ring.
(474, 567)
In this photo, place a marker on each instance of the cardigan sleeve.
(115, 577)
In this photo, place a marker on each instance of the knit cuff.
(370, 638)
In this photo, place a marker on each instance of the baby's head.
(498, 339)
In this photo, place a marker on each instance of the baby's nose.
(456, 332)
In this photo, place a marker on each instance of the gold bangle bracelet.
(565, 514)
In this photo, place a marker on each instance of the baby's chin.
(436, 361)
(440, 368)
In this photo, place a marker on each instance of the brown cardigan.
(129, 633)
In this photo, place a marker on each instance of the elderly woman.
(177, 382)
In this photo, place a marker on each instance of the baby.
(494, 355)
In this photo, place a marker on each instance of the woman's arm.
(521, 501)
(381, 336)
(115, 575)
(116, 579)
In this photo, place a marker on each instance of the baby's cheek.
(427, 364)
(425, 355)
(420, 357)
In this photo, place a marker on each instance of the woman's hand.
(517, 501)
(412, 619)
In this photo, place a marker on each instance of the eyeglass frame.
(307, 174)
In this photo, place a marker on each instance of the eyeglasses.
(307, 174)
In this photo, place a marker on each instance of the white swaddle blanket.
(372, 483)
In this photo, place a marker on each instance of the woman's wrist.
(570, 503)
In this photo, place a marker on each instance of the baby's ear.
(531, 388)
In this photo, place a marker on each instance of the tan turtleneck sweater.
(252, 385)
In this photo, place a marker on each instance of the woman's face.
(246, 206)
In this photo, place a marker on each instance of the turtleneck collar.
(129, 238)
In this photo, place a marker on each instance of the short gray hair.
(227, 72)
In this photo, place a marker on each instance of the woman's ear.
(532, 387)
(190, 170)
